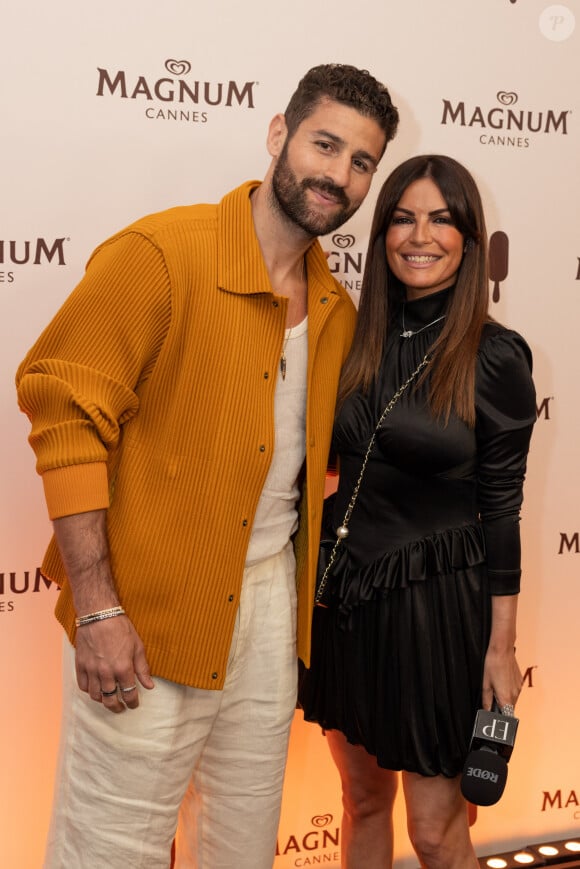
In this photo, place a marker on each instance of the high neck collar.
(419, 312)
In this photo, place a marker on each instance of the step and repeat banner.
(113, 110)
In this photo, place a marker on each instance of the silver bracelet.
(99, 616)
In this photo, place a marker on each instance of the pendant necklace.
(283, 355)
(408, 333)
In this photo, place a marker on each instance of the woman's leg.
(368, 794)
(437, 822)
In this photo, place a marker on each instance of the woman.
(420, 626)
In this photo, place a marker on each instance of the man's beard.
(289, 197)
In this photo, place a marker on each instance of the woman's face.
(424, 248)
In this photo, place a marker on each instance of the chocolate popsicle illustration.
(498, 260)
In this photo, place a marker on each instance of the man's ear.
(277, 135)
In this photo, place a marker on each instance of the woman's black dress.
(397, 658)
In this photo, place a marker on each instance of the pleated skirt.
(400, 671)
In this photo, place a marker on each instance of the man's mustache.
(327, 187)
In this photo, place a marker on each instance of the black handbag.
(332, 557)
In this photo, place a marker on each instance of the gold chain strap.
(343, 529)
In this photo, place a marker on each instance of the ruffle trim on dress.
(436, 555)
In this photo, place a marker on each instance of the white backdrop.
(493, 84)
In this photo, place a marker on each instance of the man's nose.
(339, 170)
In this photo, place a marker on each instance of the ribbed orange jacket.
(151, 394)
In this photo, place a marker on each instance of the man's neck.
(284, 248)
(282, 242)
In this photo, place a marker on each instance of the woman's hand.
(502, 678)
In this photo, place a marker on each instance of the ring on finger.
(507, 709)
(108, 693)
(128, 689)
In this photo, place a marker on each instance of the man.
(175, 400)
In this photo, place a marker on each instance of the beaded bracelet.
(99, 616)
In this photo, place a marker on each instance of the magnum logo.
(29, 581)
(544, 407)
(319, 838)
(569, 543)
(34, 252)
(176, 89)
(505, 118)
(13, 585)
(344, 263)
(561, 800)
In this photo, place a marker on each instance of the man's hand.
(110, 662)
(110, 657)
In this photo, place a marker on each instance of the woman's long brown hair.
(452, 370)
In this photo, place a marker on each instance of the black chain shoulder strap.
(343, 531)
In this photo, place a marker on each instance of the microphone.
(484, 774)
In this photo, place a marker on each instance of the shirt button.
(230, 598)
(266, 375)
(244, 522)
(324, 300)
(214, 675)
(262, 448)
(274, 304)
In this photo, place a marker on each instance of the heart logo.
(343, 241)
(178, 67)
(507, 98)
(321, 820)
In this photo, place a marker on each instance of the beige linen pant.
(214, 758)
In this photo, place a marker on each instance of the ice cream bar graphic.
(498, 261)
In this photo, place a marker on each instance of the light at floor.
(565, 851)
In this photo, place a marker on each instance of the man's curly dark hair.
(344, 84)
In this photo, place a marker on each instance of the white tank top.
(276, 515)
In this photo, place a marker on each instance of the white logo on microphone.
(485, 774)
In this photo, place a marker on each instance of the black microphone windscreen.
(484, 777)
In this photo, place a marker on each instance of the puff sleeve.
(505, 415)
